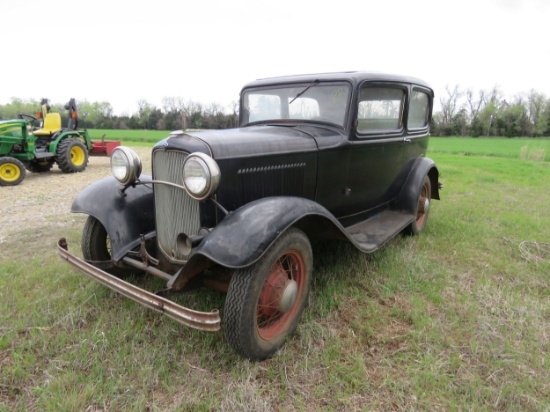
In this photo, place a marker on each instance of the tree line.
(175, 113)
(488, 113)
(461, 113)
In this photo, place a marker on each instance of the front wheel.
(71, 155)
(265, 301)
(96, 245)
(422, 208)
(12, 171)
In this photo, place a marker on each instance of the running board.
(377, 230)
(206, 321)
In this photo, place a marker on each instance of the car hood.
(250, 141)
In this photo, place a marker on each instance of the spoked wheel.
(422, 208)
(71, 155)
(12, 171)
(266, 300)
(96, 245)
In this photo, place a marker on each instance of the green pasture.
(130, 137)
(537, 149)
(456, 319)
(527, 149)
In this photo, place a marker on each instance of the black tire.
(95, 243)
(12, 171)
(96, 246)
(265, 301)
(71, 155)
(422, 208)
(37, 166)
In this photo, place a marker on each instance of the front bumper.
(207, 321)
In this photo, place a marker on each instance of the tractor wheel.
(12, 171)
(37, 166)
(422, 208)
(71, 155)
(265, 301)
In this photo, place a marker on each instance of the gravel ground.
(43, 200)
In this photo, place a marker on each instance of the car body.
(320, 156)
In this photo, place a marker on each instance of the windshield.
(322, 102)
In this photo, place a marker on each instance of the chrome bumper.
(207, 321)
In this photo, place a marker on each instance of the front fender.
(125, 217)
(243, 236)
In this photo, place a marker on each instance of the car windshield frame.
(315, 101)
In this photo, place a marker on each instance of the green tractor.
(22, 148)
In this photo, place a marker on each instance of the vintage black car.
(321, 156)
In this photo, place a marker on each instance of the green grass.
(454, 319)
(526, 149)
(134, 137)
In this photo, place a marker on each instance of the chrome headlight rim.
(131, 163)
(211, 175)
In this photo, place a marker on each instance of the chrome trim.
(207, 321)
(176, 211)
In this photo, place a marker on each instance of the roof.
(353, 77)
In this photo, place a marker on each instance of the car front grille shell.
(176, 211)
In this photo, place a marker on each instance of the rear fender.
(242, 237)
(125, 217)
(408, 197)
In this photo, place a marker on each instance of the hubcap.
(9, 172)
(289, 296)
(77, 156)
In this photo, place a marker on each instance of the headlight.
(125, 165)
(201, 175)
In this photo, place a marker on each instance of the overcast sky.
(122, 51)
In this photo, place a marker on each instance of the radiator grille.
(176, 211)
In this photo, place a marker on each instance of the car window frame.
(426, 127)
(378, 133)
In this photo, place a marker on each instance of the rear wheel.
(422, 208)
(71, 155)
(265, 301)
(12, 171)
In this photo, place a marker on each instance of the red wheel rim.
(422, 213)
(286, 273)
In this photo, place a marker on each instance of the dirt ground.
(43, 200)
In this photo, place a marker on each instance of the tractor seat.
(52, 124)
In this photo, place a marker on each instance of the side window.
(418, 110)
(380, 108)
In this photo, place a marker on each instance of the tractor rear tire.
(71, 155)
(36, 166)
(12, 171)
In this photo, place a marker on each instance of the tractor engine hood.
(246, 142)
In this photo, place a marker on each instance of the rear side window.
(418, 110)
(380, 108)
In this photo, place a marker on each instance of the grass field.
(525, 149)
(454, 319)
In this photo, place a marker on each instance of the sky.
(123, 51)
